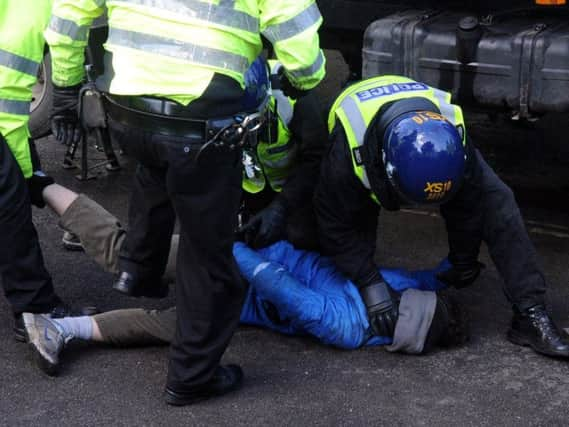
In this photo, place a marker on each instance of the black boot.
(534, 328)
(130, 284)
(226, 379)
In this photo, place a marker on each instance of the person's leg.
(100, 232)
(144, 253)
(514, 255)
(136, 327)
(48, 336)
(508, 242)
(485, 209)
(151, 221)
(27, 284)
(209, 290)
(58, 198)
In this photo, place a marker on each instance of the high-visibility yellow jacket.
(22, 23)
(276, 158)
(172, 48)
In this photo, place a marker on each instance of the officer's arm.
(464, 213)
(347, 217)
(464, 218)
(292, 28)
(310, 134)
(67, 36)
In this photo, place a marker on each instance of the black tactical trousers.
(205, 198)
(26, 282)
(485, 210)
(151, 220)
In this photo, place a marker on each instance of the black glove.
(64, 116)
(36, 183)
(267, 226)
(461, 274)
(287, 87)
(382, 308)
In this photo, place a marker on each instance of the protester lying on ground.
(291, 291)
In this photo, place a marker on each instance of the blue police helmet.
(256, 84)
(424, 157)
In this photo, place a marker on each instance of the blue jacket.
(301, 293)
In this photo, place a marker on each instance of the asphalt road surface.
(296, 381)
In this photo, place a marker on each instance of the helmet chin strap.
(373, 147)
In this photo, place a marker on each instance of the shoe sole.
(45, 365)
(518, 339)
(20, 335)
(72, 247)
(42, 361)
(177, 401)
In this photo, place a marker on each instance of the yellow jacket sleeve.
(67, 36)
(292, 28)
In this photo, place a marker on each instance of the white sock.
(75, 327)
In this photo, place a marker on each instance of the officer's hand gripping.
(65, 123)
(382, 308)
(267, 226)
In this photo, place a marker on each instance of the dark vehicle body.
(510, 56)
(502, 55)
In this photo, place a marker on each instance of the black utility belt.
(162, 116)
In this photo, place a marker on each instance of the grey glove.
(65, 123)
(382, 308)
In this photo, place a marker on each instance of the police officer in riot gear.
(398, 142)
(174, 77)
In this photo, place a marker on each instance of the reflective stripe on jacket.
(173, 47)
(358, 104)
(22, 23)
(275, 158)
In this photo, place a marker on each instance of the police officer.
(172, 67)
(397, 142)
(280, 173)
(281, 170)
(27, 284)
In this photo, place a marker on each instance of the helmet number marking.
(424, 116)
(437, 190)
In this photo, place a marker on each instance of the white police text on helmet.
(391, 89)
